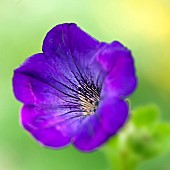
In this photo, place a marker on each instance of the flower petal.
(118, 62)
(33, 81)
(40, 80)
(91, 136)
(107, 121)
(68, 40)
(53, 102)
(74, 50)
(48, 136)
(114, 113)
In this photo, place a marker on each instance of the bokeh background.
(141, 25)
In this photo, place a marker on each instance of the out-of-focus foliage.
(145, 116)
(139, 140)
(143, 26)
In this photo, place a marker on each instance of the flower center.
(89, 99)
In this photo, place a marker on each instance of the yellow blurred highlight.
(143, 26)
(151, 18)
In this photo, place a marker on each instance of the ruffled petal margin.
(48, 136)
(121, 79)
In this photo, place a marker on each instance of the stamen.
(89, 103)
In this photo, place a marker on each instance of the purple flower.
(75, 91)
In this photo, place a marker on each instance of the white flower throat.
(88, 100)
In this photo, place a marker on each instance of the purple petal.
(91, 136)
(74, 50)
(107, 121)
(67, 40)
(114, 113)
(121, 79)
(34, 85)
(48, 136)
(33, 81)
(39, 80)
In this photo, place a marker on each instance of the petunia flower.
(74, 92)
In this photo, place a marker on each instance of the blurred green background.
(141, 25)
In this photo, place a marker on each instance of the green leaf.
(163, 129)
(142, 143)
(145, 116)
(162, 136)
